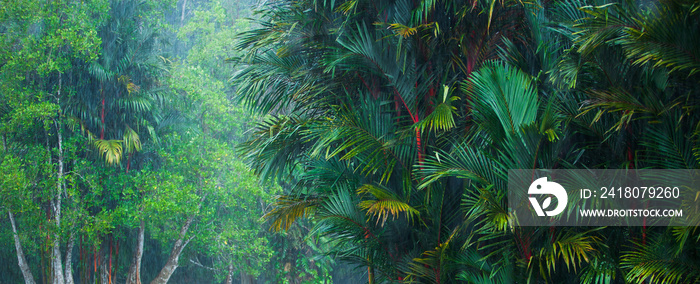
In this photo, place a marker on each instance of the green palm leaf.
(287, 209)
(278, 144)
(131, 140)
(365, 134)
(504, 98)
(669, 37)
(110, 150)
(463, 162)
(442, 117)
(339, 217)
(384, 204)
(655, 262)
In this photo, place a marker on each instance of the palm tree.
(385, 115)
(118, 100)
(117, 107)
(647, 105)
(360, 103)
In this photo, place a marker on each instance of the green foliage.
(385, 203)
(95, 105)
(389, 125)
(656, 262)
(502, 95)
(442, 117)
(14, 185)
(360, 126)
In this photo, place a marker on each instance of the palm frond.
(463, 162)
(474, 268)
(655, 262)
(110, 150)
(600, 270)
(431, 265)
(668, 37)
(504, 98)
(603, 24)
(379, 58)
(616, 100)
(340, 217)
(571, 246)
(384, 204)
(442, 117)
(131, 140)
(279, 143)
(366, 134)
(486, 207)
(287, 209)
(273, 82)
(669, 145)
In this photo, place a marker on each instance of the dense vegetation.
(381, 136)
(396, 122)
(118, 163)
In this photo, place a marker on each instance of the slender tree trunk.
(109, 268)
(95, 260)
(134, 276)
(182, 16)
(104, 270)
(128, 162)
(23, 265)
(102, 113)
(69, 259)
(116, 258)
(82, 259)
(21, 260)
(229, 276)
(57, 267)
(174, 257)
(44, 269)
(421, 159)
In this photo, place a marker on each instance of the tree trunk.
(134, 276)
(23, 266)
(109, 267)
(56, 266)
(102, 113)
(174, 257)
(104, 272)
(182, 17)
(69, 259)
(229, 277)
(56, 255)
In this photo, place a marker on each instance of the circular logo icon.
(542, 186)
